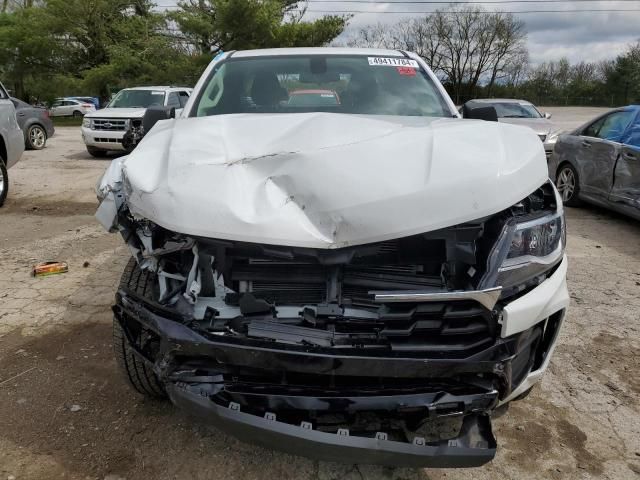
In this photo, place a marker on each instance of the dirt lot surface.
(66, 413)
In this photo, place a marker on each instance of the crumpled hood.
(326, 180)
(117, 113)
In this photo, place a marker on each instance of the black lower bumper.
(474, 446)
(280, 396)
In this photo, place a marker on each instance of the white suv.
(104, 130)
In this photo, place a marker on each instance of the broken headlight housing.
(529, 245)
(531, 248)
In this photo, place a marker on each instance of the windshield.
(516, 110)
(137, 99)
(314, 83)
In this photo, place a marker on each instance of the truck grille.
(287, 283)
(110, 125)
(327, 284)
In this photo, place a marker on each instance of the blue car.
(599, 162)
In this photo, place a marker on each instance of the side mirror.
(154, 114)
(138, 129)
(547, 115)
(480, 113)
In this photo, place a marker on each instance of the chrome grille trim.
(487, 298)
(110, 124)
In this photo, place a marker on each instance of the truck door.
(600, 147)
(626, 182)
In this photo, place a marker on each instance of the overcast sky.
(589, 36)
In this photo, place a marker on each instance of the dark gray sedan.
(600, 162)
(35, 124)
(521, 112)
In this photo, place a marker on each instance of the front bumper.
(474, 446)
(280, 396)
(105, 140)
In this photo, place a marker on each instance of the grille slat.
(110, 125)
(443, 329)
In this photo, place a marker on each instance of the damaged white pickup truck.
(328, 260)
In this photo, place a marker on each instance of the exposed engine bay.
(357, 295)
(245, 326)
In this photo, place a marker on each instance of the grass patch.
(67, 121)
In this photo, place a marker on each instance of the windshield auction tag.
(393, 62)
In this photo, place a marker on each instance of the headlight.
(532, 248)
(86, 122)
(553, 136)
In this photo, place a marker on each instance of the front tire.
(36, 137)
(4, 182)
(97, 152)
(568, 185)
(77, 114)
(137, 373)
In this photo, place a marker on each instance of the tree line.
(50, 48)
(479, 53)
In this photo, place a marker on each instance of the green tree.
(623, 76)
(210, 26)
(50, 48)
(24, 53)
(89, 47)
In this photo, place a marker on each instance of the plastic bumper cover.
(254, 414)
(106, 140)
(474, 446)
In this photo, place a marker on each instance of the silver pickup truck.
(11, 141)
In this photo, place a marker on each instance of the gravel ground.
(67, 414)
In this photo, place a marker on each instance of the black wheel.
(77, 113)
(135, 370)
(568, 185)
(97, 152)
(4, 182)
(36, 137)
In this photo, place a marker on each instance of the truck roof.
(379, 52)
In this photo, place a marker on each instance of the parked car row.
(598, 163)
